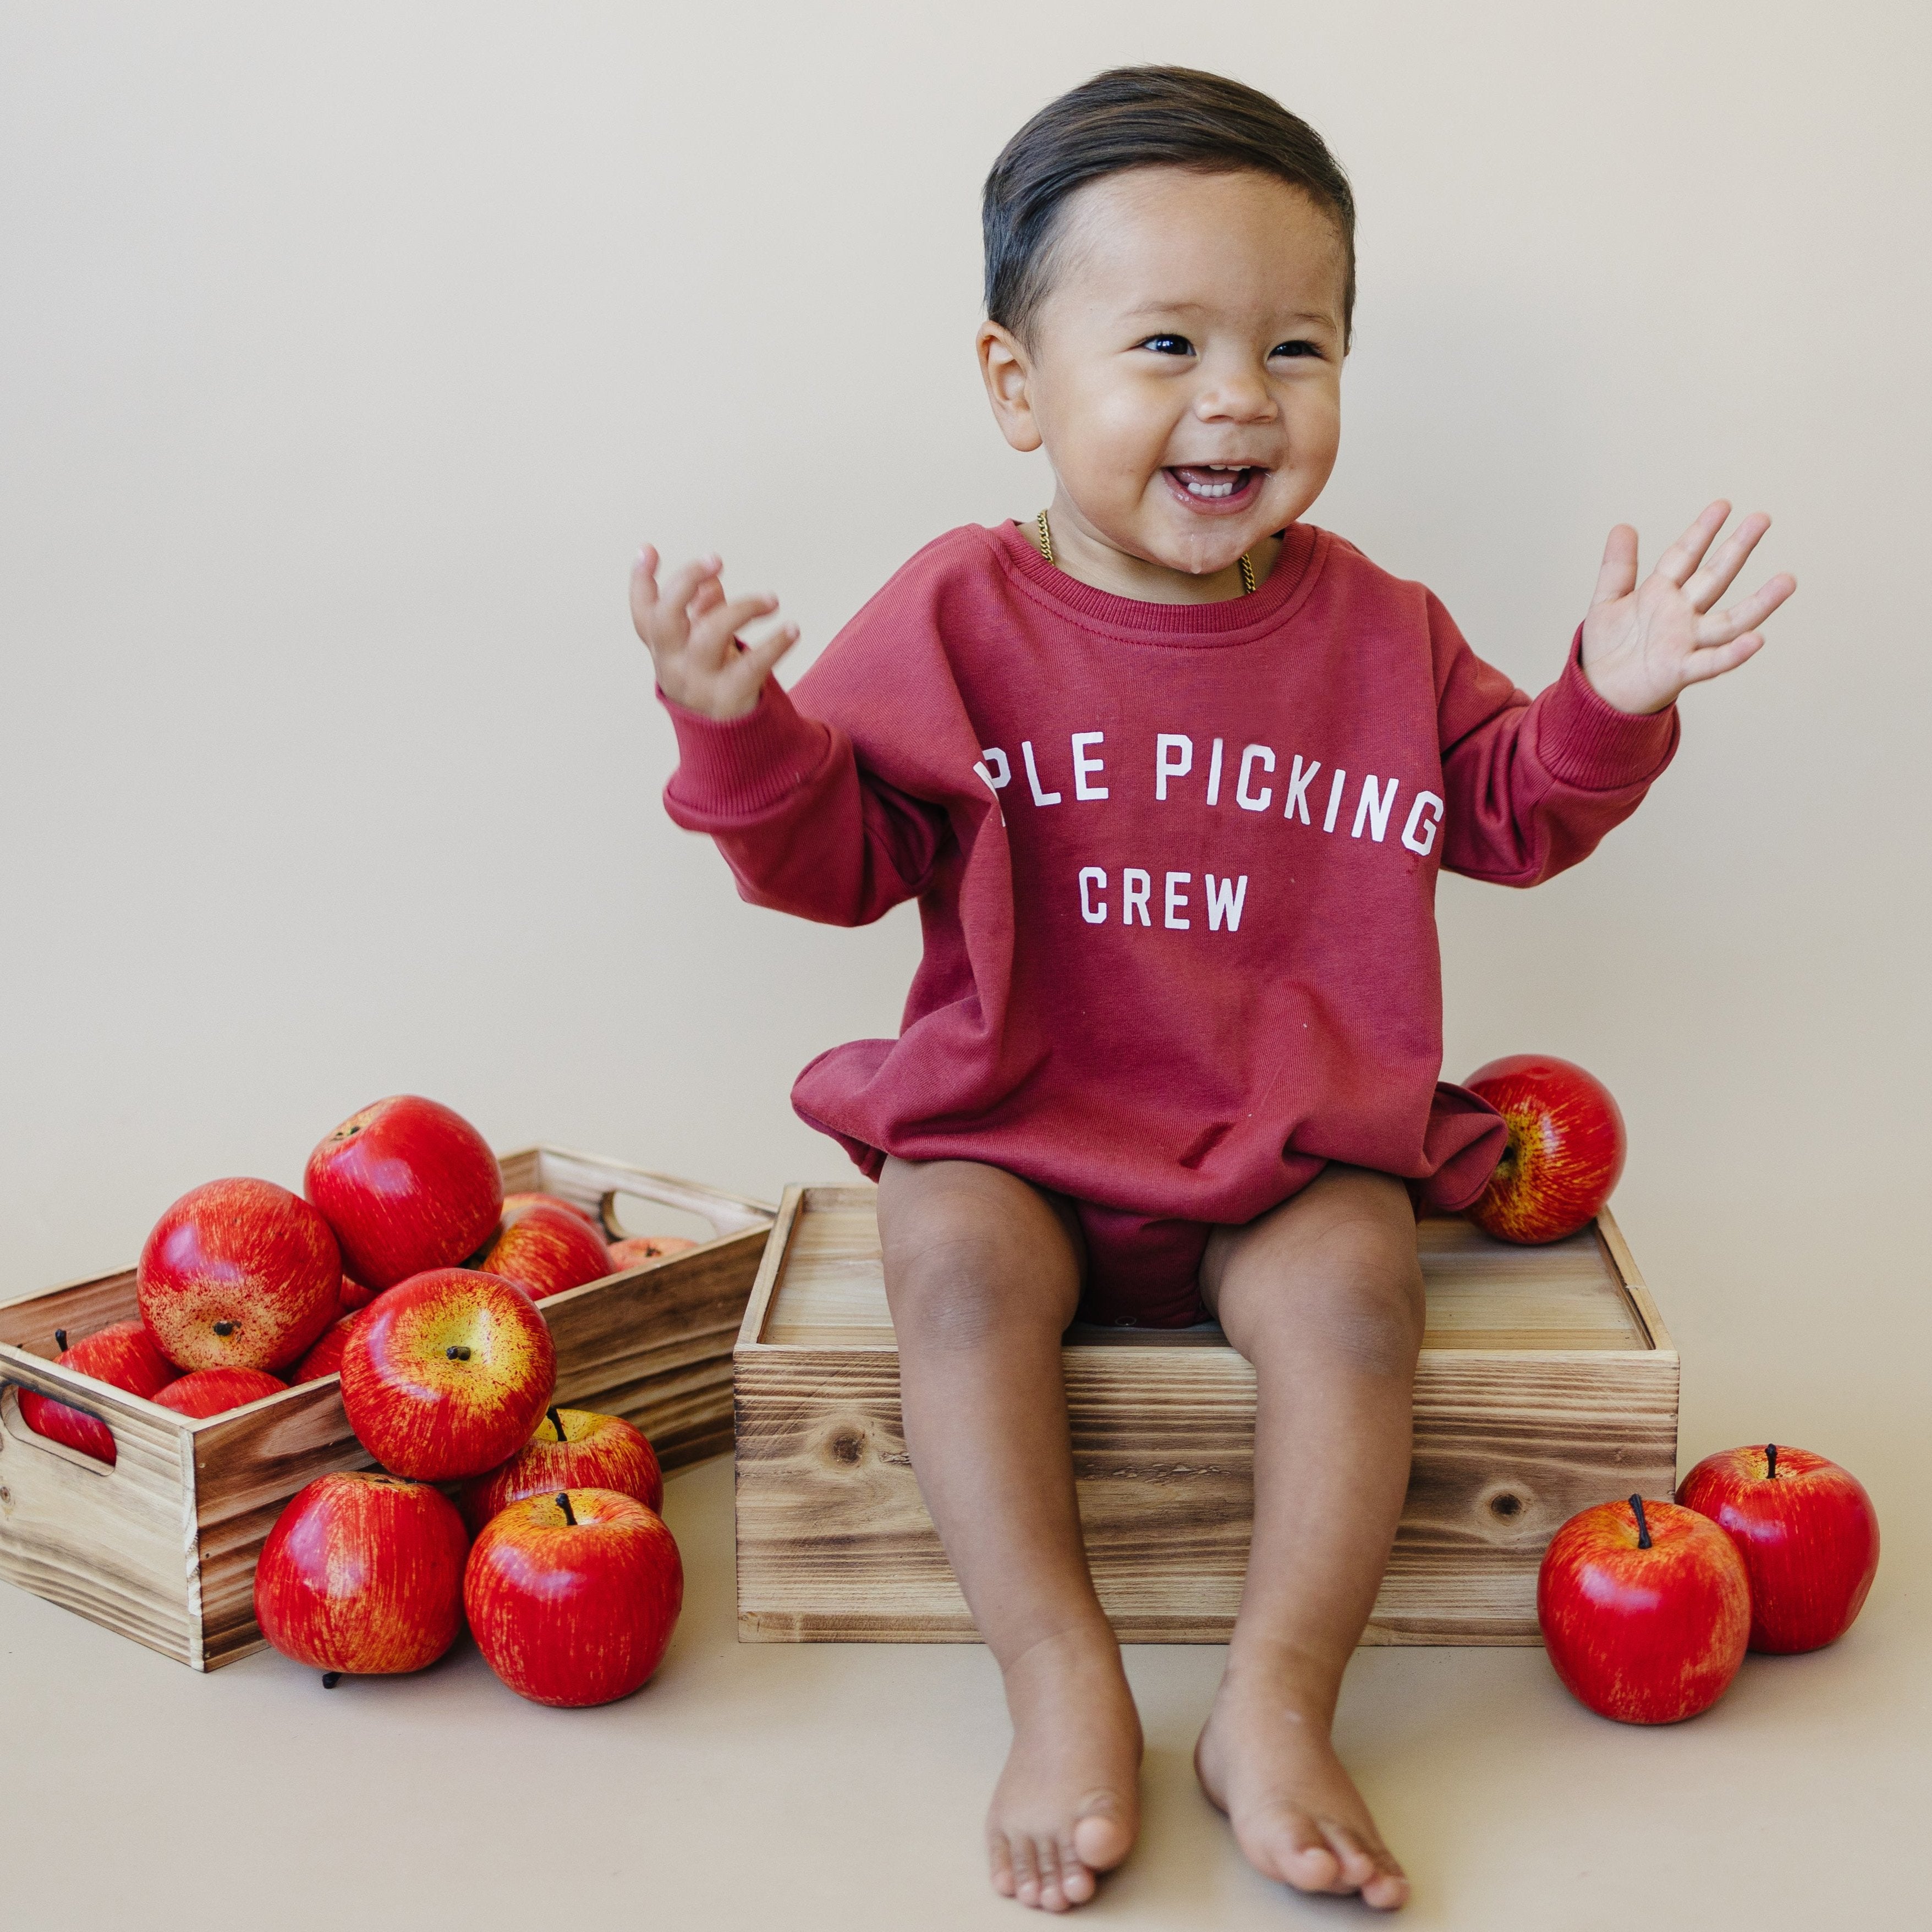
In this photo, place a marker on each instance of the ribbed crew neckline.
(1226, 620)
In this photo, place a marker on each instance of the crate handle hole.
(644, 1215)
(13, 1424)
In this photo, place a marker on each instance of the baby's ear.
(1008, 375)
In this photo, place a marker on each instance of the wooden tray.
(162, 1545)
(1547, 1383)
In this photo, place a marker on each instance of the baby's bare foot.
(1067, 1805)
(1266, 1761)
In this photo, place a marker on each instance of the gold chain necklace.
(1044, 537)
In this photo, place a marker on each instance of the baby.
(1171, 772)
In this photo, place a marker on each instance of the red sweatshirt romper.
(1176, 871)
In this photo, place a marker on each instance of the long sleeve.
(803, 829)
(1532, 785)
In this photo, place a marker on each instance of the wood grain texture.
(835, 1543)
(162, 1546)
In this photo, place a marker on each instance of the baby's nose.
(1236, 396)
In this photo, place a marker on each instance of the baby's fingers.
(714, 635)
(1683, 557)
(1706, 586)
(1720, 627)
(759, 658)
(659, 613)
(1703, 664)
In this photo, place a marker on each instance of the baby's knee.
(961, 1270)
(1356, 1295)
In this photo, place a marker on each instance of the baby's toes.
(1000, 1861)
(1046, 1859)
(1076, 1881)
(1368, 1866)
(1287, 1843)
(1101, 1836)
(1026, 1871)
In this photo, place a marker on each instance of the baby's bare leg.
(1324, 1297)
(983, 1276)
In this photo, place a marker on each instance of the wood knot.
(1506, 1511)
(848, 1445)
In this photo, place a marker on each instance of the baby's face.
(1185, 372)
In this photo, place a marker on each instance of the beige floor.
(780, 1787)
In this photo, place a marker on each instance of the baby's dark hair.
(1138, 117)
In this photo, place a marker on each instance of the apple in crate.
(354, 1296)
(124, 1356)
(325, 1358)
(445, 1375)
(363, 1573)
(239, 1274)
(1645, 1609)
(407, 1185)
(572, 1598)
(516, 1206)
(634, 1250)
(546, 1250)
(572, 1449)
(1565, 1149)
(215, 1391)
(1806, 1532)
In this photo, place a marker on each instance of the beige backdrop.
(348, 351)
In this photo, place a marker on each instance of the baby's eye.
(1168, 345)
(1298, 346)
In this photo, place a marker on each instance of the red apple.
(1565, 1149)
(1806, 1532)
(363, 1573)
(239, 1274)
(634, 1250)
(354, 1296)
(546, 1250)
(445, 1375)
(1645, 1609)
(124, 1356)
(325, 1358)
(407, 1185)
(573, 1598)
(215, 1391)
(572, 1449)
(516, 1206)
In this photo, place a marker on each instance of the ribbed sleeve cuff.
(741, 767)
(1594, 746)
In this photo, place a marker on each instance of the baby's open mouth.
(1213, 487)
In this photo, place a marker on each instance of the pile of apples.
(406, 1271)
(1648, 1608)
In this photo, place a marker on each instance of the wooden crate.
(162, 1545)
(1547, 1383)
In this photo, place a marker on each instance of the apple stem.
(557, 1423)
(1643, 1527)
(330, 1679)
(60, 1339)
(1771, 1461)
(563, 1504)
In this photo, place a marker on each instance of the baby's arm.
(803, 827)
(1644, 642)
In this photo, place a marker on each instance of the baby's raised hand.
(1644, 643)
(691, 628)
